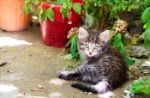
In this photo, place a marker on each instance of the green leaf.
(60, 1)
(119, 44)
(147, 80)
(73, 48)
(137, 82)
(138, 89)
(66, 6)
(65, 12)
(146, 91)
(129, 61)
(77, 7)
(28, 6)
(117, 41)
(37, 1)
(141, 86)
(147, 25)
(42, 14)
(146, 15)
(147, 38)
(87, 4)
(50, 14)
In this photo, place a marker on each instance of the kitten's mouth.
(90, 55)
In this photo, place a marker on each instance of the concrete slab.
(31, 65)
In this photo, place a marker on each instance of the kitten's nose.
(90, 53)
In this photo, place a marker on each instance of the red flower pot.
(54, 33)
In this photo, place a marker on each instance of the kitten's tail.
(84, 87)
(101, 87)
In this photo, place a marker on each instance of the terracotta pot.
(54, 33)
(12, 17)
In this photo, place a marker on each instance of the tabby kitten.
(104, 68)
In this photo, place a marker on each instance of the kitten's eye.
(81, 44)
(97, 47)
(86, 45)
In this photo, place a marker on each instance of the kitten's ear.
(104, 36)
(83, 34)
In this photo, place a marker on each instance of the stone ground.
(33, 67)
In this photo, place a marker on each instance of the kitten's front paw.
(62, 74)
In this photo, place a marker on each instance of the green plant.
(141, 86)
(33, 6)
(146, 20)
(73, 50)
(95, 10)
(118, 42)
(30, 5)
